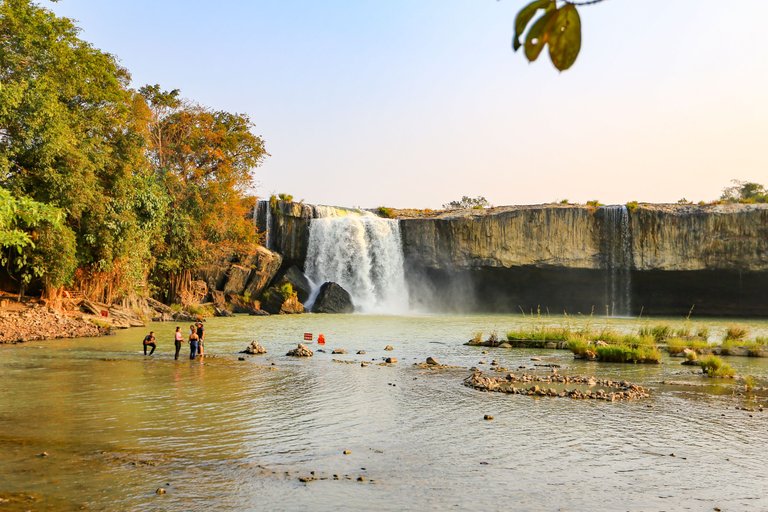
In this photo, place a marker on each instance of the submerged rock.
(332, 298)
(432, 361)
(300, 351)
(338, 351)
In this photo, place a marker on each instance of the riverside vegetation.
(108, 190)
(606, 345)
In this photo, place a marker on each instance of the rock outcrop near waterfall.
(663, 237)
(658, 259)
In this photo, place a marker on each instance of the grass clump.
(713, 366)
(754, 348)
(659, 332)
(386, 212)
(628, 354)
(678, 345)
(735, 333)
(477, 337)
(541, 334)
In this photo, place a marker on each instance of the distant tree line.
(114, 191)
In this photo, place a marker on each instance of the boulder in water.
(300, 351)
(254, 348)
(332, 298)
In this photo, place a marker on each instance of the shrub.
(749, 383)
(736, 332)
(387, 213)
(494, 337)
(632, 206)
(713, 366)
(477, 337)
(703, 333)
(594, 203)
(199, 310)
(564, 201)
(288, 198)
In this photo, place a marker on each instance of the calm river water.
(238, 435)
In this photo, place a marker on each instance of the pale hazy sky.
(413, 103)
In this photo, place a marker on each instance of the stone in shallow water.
(300, 351)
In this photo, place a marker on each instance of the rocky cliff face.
(663, 237)
(664, 259)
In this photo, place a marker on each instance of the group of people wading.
(196, 341)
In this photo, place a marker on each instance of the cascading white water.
(262, 217)
(617, 253)
(361, 252)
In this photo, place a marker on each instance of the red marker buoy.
(321, 340)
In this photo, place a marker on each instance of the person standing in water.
(193, 339)
(149, 341)
(177, 341)
(201, 338)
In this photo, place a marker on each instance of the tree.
(35, 243)
(205, 158)
(71, 137)
(558, 27)
(468, 202)
(745, 192)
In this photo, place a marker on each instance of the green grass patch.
(659, 332)
(541, 334)
(628, 354)
(713, 366)
(678, 345)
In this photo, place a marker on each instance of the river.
(226, 434)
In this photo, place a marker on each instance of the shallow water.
(237, 435)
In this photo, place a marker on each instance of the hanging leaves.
(557, 27)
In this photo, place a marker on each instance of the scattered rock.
(390, 360)
(432, 361)
(347, 452)
(361, 352)
(389, 348)
(43, 454)
(488, 417)
(339, 351)
(241, 358)
(254, 348)
(300, 351)
(361, 478)
(160, 490)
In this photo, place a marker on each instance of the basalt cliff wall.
(661, 259)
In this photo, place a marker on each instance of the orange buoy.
(321, 340)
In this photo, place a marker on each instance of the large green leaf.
(539, 35)
(565, 37)
(524, 17)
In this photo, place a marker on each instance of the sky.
(415, 103)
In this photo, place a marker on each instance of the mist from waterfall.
(361, 252)
(617, 260)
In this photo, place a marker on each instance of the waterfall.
(617, 260)
(361, 252)
(262, 216)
